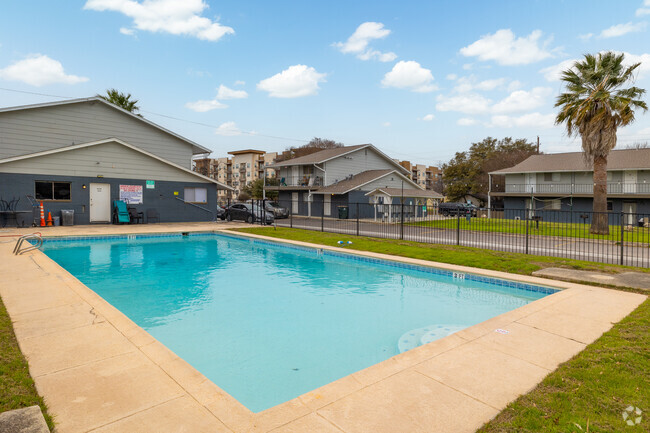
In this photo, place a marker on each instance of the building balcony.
(613, 188)
(297, 182)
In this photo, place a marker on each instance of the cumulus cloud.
(467, 103)
(530, 120)
(385, 124)
(506, 49)
(451, 77)
(467, 84)
(409, 75)
(228, 129)
(522, 100)
(128, 32)
(226, 93)
(623, 29)
(359, 42)
(428, 118)
(294, 82)
(586, 36)
(205, 105)
(166, 16)
(39, 70)
(240, 83)
(631, 59)
(466, 121)
(644, 9)
(554, 73)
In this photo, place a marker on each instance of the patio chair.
(152, 214)
(135, 216)
(120, 213)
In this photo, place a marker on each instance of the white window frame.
(195, 194)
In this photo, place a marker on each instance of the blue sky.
(419, 79)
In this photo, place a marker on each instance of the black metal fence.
(546, 232)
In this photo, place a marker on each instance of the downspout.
(489, 195)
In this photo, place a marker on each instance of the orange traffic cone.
(42, 216)
(49, 219)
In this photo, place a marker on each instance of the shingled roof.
(357, 181)
(320, 156)
(624, 159)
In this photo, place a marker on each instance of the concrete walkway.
(636, 280)
(99, 372)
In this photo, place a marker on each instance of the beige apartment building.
(243, 167)
(426, 177)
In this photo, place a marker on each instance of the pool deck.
(99, 372)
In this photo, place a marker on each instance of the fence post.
(622, 236)
(401, 226)
(526, 222)
(291, 213)
(458, 227)
(322, 216)
(357, 218)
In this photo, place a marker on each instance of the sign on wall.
(131, 194)
(151, 184)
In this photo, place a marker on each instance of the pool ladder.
(29, 237)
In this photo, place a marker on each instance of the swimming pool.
(268, 322)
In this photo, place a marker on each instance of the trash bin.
(56, 220)
(343, 212)
(67, 217)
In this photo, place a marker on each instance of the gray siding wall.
(35, 130)
(388, 181)
(108, 160)
(161, 198)
(353, 163)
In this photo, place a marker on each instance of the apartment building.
(426, 177)
(243, 167)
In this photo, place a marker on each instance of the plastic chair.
(152, 214)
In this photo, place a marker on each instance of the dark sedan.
(277, 210)
(249, 213)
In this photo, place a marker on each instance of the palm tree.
(121, 100)
(594, 106)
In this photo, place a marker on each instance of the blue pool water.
(268, 322)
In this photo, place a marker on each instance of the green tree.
(467, 172)
(594, 107)
(122, 100)
(255, 189)
(315, 145)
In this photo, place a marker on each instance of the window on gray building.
(49, 190)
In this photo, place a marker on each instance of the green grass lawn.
(593, 388)
(16, 385)
(572, 230)
(585, 394)
(479, 258)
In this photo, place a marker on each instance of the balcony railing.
(301, 181)
(568, 189)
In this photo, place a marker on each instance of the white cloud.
(645, 10)
(409, 75)
(467, 84)
(644, 59)
(293, 82)
(240, 83)
(554, 73)
(530, 120)
(359, 42)
(451, 77)
(227, 93)
(203, 106)
(522, 100)
(39, 70)
(167, 16)
(428, 118)
(467, 103)
(586, 36)
(506, 49)
(468, 66)
(514, 85)
(385, 124)
(623, 29)
(228, 129)
(466, 121)
(128, 32)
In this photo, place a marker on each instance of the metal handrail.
(214, 218)
(19, 243)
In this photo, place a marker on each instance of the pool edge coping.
(199, 387)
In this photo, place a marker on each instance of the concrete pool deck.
(98, 371)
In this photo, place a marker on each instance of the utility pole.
(538, 144)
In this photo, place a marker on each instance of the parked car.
(277, 210)
(221, 213)
(447, 209)
(249, 213)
